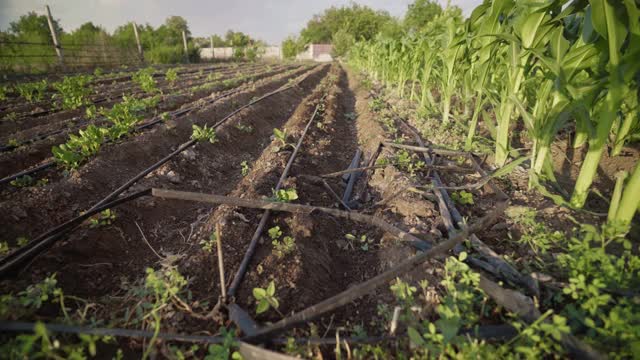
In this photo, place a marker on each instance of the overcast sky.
(270, 20)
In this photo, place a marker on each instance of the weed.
(106, 217)
(12, 116)
(377, 105)
(201, 134)
(22, 241)
(245, 168)
(266, 298)
(33, 91)
(535, 234)
(351, 116)
(462, 197)
(403, 291)
(97, 72)
(165, 116)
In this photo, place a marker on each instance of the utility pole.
(184, 41)
(212, 53)
(54, 36)
(135, 32)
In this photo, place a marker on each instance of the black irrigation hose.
(28, 327)
(39, 244)
(43, 241)
(242, 269)
(51, 163)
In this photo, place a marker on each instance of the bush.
(166, 54)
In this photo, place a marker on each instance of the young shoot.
(266, 299)
(204, 133)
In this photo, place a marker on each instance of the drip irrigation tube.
(242, 269)
(38, 245)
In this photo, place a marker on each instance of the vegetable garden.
(408, 201)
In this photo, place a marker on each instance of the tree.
(218, 41)
(33, 27)
(291, 46)
(342, 41)
(237, 39)
(420, 13)
(361, 22)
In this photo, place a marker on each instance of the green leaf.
(271, 289)
(259, 293)
(263, 305)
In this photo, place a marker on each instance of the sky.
(269, 20)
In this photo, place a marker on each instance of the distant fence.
(315, 52)
(268, 52)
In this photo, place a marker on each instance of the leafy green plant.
(226, 349)
(535, 234)
(281, 247)
(266, 298)
(365, 242)
(33, 91)
(106, 217)
(285, 195)
(244, 166)
(209, 244)
(204, 133)
(244, 128)
(144, 79)
(4, 248)
(462, 197)
(22, 181)
(403, 291)
(3, 92)
(171, 76)
(79, 147)
(74, 91)
(281, 136)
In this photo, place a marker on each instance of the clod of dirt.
(173, 177)
(189, 154)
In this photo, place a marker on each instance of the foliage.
(144, 79)
(515, 60)
(535, 234)
(106, 217)
(244, 166)
(285, 195)
(342, 41)
(266, 298)
(210, 244)
(171, 76)
(79, 147)
(462, 197)
(74, 91)
(204, 133)
(32, 91)
(226, 349)
(291, 46)
(281, 247)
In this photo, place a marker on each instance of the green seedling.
(266, 298)
(225, 350)
(201, 134)
(462, 197)
(244, 128)
(285, 195)
(3, 92)
(32, 92)
(98, 72)
(4, 248)
(245, 168)
(144, 79)
(283, 247)
(22, 181)
(171, 76)
(22, 241)
(106, 217)
(365, 242)
(210, 244)
(281, 136)
(74, 91)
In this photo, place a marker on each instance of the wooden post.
(135, 32)
(184, 41)
(212, 54)
(54, 36)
